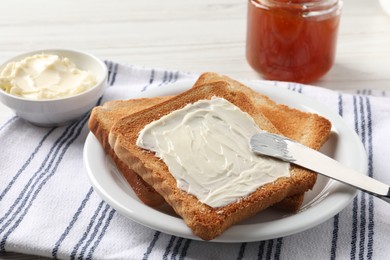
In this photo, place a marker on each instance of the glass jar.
(292, 40)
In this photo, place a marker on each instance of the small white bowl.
(61, 111)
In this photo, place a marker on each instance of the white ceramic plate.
(326, 199)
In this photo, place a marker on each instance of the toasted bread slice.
(205, 221)
(104, 117)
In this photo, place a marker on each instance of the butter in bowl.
(52, 87)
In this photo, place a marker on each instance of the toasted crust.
(206, 222)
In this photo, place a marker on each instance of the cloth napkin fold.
(48, 207)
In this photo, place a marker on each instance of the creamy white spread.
(45, 76)
(206, 148)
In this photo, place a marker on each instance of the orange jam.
(292, 40)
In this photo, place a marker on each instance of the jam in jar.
(292, 40)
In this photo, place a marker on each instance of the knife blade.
(288, 150)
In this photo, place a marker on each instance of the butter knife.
(285, 149)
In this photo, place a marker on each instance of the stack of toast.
(117, 124)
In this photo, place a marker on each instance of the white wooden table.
(195, 36)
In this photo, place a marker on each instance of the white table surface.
(195, 36)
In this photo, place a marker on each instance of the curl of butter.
(44, 77)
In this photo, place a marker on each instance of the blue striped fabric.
(48, 207)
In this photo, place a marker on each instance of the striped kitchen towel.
(48, 207)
